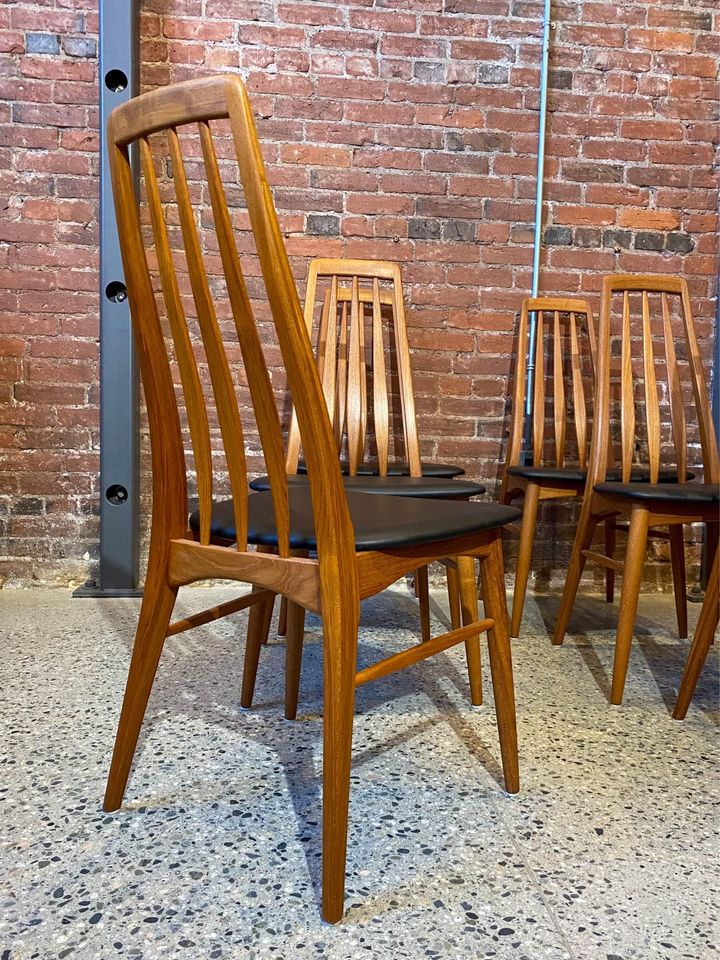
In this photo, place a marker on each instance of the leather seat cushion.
(704, 494)
(578, 475)
(430, 487)
(400, 469)
(380, 523)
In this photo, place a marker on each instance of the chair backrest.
(566, 331)
(356, 299)
(644, 319)
(183, 113)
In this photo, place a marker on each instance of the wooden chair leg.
(632, 577)
(283, 618)
(525, 548)
(610, 537)
(257, 632)
(157, 606)
(677, 556)
(469, 613)
(422, 592)
(704, 633)
(583, 538)
(293, 657)
(453, 589)
(492, 573)
(340, 629)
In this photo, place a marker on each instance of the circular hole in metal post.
(116, 494)
(116, 291)
(116, 81)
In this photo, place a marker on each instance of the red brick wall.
(404, 130)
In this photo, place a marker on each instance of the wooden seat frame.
(334, 583)
(344, 374)
(643, 513)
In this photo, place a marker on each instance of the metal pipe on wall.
(537, 237)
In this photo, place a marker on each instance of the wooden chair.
(361, 330)
(704, 635)
(568, 326)
(362, 543)
(653, 503)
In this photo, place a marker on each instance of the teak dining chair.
(362, 542)
(567, 325)
(704, 633)
(653, 503)
(361, 336)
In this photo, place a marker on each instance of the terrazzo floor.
(610, 851)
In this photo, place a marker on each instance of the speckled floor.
(610, 851)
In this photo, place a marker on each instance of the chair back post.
(198, 102)
(342, 359)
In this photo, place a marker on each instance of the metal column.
(119, 500)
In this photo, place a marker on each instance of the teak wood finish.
(704, 634)
(356, 297)
(646, 508)
(568, 326)
(332, 584)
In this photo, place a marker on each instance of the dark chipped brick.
(423, 229)
(617, 238)
(587, 237)
(558, 236)
(649, 240)
(323, 225)
(493, 73)
(429, 72)
(454, 141)
(28, 507)
(560, 79)
(80, 47)
(679, 242)
(458, 230)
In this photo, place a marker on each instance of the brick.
(323, 225)
(649, 219)
(80, 47)
(423, 229)
(42, 43)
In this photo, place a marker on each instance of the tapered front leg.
(583, 538)
(492, 573)
(157, 606)
(677, 557)
(524, 558)
(340, 613)
(704, 633)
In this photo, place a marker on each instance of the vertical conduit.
(537, 237)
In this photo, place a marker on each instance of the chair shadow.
(592, 615)
(210, 693)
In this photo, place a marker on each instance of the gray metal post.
(537, 237)
(119, 500)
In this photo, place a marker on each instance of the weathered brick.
(323, 225)
(42, 43)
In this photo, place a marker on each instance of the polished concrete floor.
(609, 852)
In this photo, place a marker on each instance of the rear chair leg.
(704, 633)
(492, 573)
(583, 538)
(293, 657)
(453, 590)
(677, 557)
(157, 606)
(469, 612)
(423, 594)
(257, 632)
(610, 533)
(632, 577)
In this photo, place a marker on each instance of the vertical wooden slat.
(539, 392)
(261, 391)
(652, 408)
(355, 377)
(327, 348)
(627, 397)
(380, 391)
(292, 457)
(192, 388)
(580, 412)
(677, 406)
(342, 378)
(363, 381)
(407, 396)
(222, 384)
(706, 428)
(559, 411)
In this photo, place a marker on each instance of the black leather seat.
(380, 523)
(428, 487)
(700, 493)
(370, 469)
(577, 474)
